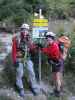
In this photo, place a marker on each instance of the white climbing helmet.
(50, 34)
(25, 26)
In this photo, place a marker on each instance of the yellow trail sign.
(40, 22)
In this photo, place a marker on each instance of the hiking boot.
(57, 93)
(22, 94)
(35, 91)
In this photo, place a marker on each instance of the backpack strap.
(61, 47)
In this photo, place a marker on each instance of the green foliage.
(70, 61)
(61, 9)
(20, 10)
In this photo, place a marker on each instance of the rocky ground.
(7, 90)
(10, 94)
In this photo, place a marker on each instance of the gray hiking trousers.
(20, 72)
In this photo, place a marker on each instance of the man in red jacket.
(54, 57)
(22, 48)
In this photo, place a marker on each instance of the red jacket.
(31, 45)
(14, 51)
(52, 51)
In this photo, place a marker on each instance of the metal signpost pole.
(40, 25)
(40, 13)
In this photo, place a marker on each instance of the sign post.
(40, 26)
